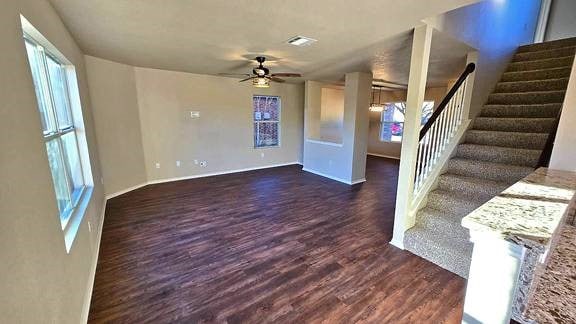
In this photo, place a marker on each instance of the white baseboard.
(121, 192)
(92, 274)
(348, 182)
(397, 243)
(384, 156)
(203, 175)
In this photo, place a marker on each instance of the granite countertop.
(554, 299)
(530, 211)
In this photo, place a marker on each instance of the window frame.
(78, 198)
(382, 122)
(256, 122)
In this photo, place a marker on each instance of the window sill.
(76, 218)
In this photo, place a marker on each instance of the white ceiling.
(213, 36)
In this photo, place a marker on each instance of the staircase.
(503, 145)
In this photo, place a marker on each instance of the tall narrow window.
(266, 121)
(392, 120)
(59, 132)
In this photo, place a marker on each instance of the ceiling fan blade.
(287, 75)
(248, 78)
(275, 79)
(234, 75)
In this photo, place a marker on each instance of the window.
(60, 134)
(266, 121)
(392, 120)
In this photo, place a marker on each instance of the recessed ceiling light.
(301, 41)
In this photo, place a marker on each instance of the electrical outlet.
(262, 154)
(102, 180)
(178, 163)
(194, 114)
(157, 165)
(203, 164)
(89, 227)
(196, 162)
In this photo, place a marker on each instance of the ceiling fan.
(261, 76)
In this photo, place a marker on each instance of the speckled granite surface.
(554, 299)
(528, 212)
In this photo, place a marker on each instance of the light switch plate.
(195, 114)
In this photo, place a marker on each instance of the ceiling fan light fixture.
(261, 83)
(301, 41)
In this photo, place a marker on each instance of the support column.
(357, 95)
(403, 218)
(493, 280)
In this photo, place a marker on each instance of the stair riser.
(541, 64)
(536, 111)
(445, 226)
(509, 176)
(469, 189)
(523, 158)
(526, 98)
(515, 140)
(569, 42)
(530, 86)
(446, 257)
(536, 75)
(548, 54)
(535, 125)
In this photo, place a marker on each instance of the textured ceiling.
(213, 36)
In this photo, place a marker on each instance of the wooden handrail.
(469, 69)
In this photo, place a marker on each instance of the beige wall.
(222, 136)
(39, 281)
(344, 161)
(495, 28)
(561, 22)
(117, 122)
(332, 115)
(389, 149)
(564, 152)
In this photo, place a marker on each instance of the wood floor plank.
(269, 246)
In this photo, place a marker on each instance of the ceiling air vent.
(301, 41)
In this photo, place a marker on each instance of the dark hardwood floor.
(277, 245)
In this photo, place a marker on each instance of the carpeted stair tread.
(448, 253)
(525, 125)
(470, 186)
(516, 98)
(565, 42)
(488, 170)
(532, 86)
(544, 54)
(544, 74)
(443, 222)
(497, 154)
(533, 141)
(454, 202)
(540, 64)
(536, 111)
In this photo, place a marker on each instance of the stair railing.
(440, 129)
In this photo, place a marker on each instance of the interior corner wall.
(392, 149)
(39, 281)
(117, 122)
(561, 22)
(344, 161)
(495, 28)
(564, 151)
(223, 136)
